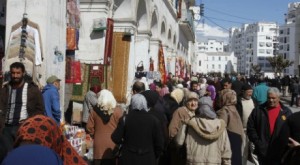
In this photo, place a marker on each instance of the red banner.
(108, 41)
(162, 67)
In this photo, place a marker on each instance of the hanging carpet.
(119, 65)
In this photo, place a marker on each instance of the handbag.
(181, 135)
(140, 67)
(117, 151)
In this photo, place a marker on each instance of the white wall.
(91, 43)
(50, 16)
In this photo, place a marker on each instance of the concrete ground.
(286, 101)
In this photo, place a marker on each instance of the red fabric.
(43, 130)
(273, 114)
(179, 9)
(108, 41)
(74, 72)
(161, 67)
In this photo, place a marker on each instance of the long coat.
(143, 140)
(103, 145)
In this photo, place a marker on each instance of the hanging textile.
(96, 76)
(24, 45)
(161, 67)
(79, 90)
(176, 67)
(73, 71)
(179, 8)
(73, 13)
(71, 38)
(117, 77)
(182, 67)
(108, 41)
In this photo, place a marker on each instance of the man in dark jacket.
(264, 124)
(19, 100)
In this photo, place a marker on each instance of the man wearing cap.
(51, 98)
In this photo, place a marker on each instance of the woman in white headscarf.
(102, 121)
(140, 135)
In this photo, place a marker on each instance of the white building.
(252, 44)
(288, 38)
(210, 46)
(210, 57)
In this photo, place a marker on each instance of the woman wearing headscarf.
(102, 121)
(172, 102)
(206, 138)
(140, 135)
(156, 109)
(180, 116)
(43, 130)
(234, 124)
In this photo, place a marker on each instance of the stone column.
(142, 48)
(154, 50)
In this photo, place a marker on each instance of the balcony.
(186, 24)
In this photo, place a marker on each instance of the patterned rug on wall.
(79, 90)
(119, 69)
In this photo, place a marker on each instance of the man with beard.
(19, 100)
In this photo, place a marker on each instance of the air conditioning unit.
(99, 24)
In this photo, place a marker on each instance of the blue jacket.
(51, 101)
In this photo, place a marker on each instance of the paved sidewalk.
(285, 99)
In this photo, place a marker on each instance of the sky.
(220, 15)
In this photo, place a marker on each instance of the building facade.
(114, 39)
(253, 44)
(288, 38)
(211, 58)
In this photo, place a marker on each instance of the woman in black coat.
(140, 135)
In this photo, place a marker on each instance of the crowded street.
(140, 82)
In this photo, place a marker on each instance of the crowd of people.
(201, 120)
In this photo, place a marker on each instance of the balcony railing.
(187, 17)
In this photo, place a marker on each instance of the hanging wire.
(25, 7)
(216, 24)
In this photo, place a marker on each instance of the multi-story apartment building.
(211, 46)
(288, 40)
(253, 44)
(210, 57)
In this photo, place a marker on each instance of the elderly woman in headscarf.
(180, 116)
(42, 130)
(102, 121)
(234, 127)
(140, 134)
(206, 137)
